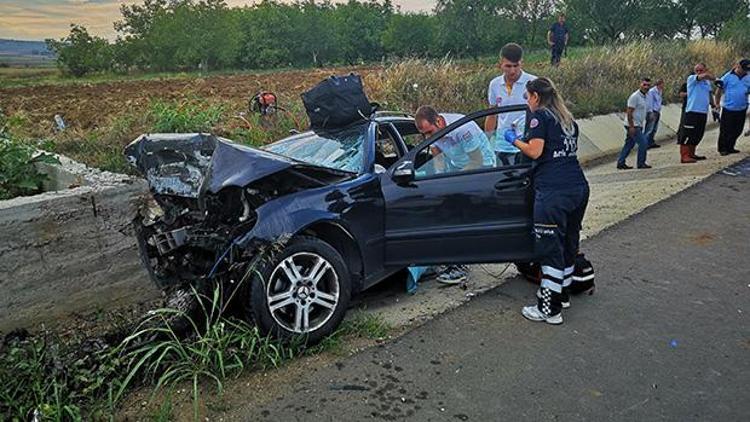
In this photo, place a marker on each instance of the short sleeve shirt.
(558, 165)
(498, 96)
(467, 138)
(558, 32)
(735, 91)
(699, 93)
(653, 100)
(637, 101)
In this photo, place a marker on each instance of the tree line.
(173, 35)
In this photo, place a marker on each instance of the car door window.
(467, 147)
(386, 150)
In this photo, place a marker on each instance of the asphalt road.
(665, 337)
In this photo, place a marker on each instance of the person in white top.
(634, 122)
(507, 89)
(653, 112)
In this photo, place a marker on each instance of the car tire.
(301, 292)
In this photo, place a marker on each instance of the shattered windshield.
(340, 149)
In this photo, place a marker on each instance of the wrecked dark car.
(298, 227)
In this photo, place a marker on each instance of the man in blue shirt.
(696, 113)
(734, 86)
(557, 38)
(653, 112)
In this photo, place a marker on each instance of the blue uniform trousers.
(558, 214)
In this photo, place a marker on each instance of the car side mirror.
(404, 173)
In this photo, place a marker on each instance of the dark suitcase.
(337, 101)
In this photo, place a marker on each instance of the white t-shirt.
(498, 95)
(637, 102)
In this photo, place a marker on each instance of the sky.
(41, 19)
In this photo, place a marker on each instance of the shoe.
(564, 298)
(724, 153)
(532, 313)
(652, 146)
(644, 166)
(747, 133)
(623, 167)
(734, 151)
(453, 274)
(699, 157)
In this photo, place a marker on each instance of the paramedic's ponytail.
(550, 99)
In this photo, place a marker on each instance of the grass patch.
(88, 379)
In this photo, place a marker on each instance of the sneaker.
(699, 157)
(453, 274)
(652, 146)
(734, 151)
(532, 313)
(564, 299)
(644, 166)
(724, 153)
(623, 167)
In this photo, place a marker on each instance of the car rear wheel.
(303, 291)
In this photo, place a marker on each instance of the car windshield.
(340, 149)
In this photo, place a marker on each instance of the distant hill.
(23, 48)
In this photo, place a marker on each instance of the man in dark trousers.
(734, 87)
(696, 113)
(557, 38)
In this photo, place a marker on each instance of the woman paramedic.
(561, 194)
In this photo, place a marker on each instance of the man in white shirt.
(653, 112)
(634, 121)
(507, 89)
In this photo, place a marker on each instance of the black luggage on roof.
(337, 101)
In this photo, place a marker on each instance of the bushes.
(18, 174)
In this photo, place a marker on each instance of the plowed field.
(87, 106)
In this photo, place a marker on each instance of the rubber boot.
(692, 153)
(685, 156)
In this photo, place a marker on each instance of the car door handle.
(520, 182)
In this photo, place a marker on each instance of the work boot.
(685, 156)
(548, 308)
(693, 155)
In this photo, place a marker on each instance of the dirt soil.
(87, 106)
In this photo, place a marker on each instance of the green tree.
(410, 35)
(603, 21)
(80, 53)
(359, 28)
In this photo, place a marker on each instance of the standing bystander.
(696, 113)
(653, 112)
(634, 122)
(733, 86)
(557, 38)
(505, 90)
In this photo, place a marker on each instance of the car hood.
(188, 165)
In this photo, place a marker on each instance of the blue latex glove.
(510, 135)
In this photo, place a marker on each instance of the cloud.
(40, 19)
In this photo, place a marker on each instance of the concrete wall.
(70, 250)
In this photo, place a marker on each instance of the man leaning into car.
(465, 148)
(462, 149)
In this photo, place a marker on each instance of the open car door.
(444, 215)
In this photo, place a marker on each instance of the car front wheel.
(303, 291)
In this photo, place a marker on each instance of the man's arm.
(631, 122)
(438, 162)
(549, 38)
(705, 76)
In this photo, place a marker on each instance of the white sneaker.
(532, 313)
(565, 303)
